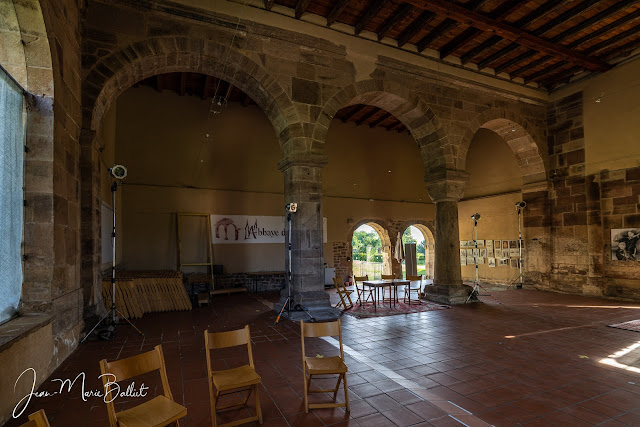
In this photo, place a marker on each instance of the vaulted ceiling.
(546, 42)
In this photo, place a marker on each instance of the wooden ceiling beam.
(625, 35)
(404, 11)
(442, 28)
(379, 120)
(545, 72)
(268, 4)
(520, 23)
(357, 108)
(500, 13)
(530, 66)
(336, 11)
(301, 8)
(603, 30)
(415, 27)
(626, 48)
(374, 8)
(561, 77)
(367, 116)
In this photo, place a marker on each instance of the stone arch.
(382, 228)
(117, 72)
(427, 229)
(407, 106)
(518, 133)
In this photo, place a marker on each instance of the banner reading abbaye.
(227, 229)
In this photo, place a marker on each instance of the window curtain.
(11, 194)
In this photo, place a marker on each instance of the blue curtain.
(11, 194)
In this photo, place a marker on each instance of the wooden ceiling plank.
(530, 66)
(528, 18)
(560, 77)
(336, 11)
(603, 30)
(438, 31)
(301, 8)
(500, 13)
(357, 108)
(446, 25)
(415, 27)
(374, 8)
(367, 116)
(379, 120)
(268, 4)
(404, 11)
(563, 17)
(545, 72)
(633, 31)
(625, 48)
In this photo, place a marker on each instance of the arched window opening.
(369, 253)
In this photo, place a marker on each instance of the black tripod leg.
(128, 321)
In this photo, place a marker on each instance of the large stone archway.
(428, 231)
(115, 73)
(382, 229)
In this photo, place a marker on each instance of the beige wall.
(173, 166)
(611, 126)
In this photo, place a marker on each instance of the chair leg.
(335, 390)
(214, 402)
(346, 392)
(258, 409)
(306, 391)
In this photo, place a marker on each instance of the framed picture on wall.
(463, 260)
(490, 253)
(515, 263)
(483, 253)
(625, 244)
(476, 252)
(513, 244)
(480, 242)
(470, 260)
(514, 253)
(492, 262)
(497, 244)
(489, 244)
(505, 244)
(480, 260)
(503, 262)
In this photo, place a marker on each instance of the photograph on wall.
(463, 260)
(489, 244)
(490, 252)
(470, 260)
(513, 244)
(483, 253)
(514, 253)
(505, 244)
(515, 263)
(476, 252)
(497, 244)
(503, 262)
(481, 243)
(625, 244)
(492, 262)
(480, 260)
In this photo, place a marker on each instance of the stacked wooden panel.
(140, 292)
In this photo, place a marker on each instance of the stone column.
(536, 233)
(447, 283)
(303, 185)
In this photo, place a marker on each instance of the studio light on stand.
(290, 209)
(519, 281)
(116, 173)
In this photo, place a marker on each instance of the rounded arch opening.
(371, 250)
(422, 236)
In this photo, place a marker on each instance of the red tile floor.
(529, 358)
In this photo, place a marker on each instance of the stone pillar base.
(316, 304)
(448, 294)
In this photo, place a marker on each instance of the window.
(11, 195)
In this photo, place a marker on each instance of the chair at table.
(384, 298)
(37, 419)
(159, 411)
(408, 289)
(363, 290)
(323, 365)
(343, 293)
(234, 380)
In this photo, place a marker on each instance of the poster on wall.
(625, 244)
(243, 229)
(492, 262)
(503, 262)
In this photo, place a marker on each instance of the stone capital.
(304, 159)
(535, 187)
(449, 187)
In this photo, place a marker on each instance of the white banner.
(227, 229)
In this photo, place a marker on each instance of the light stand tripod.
(292, 207)
(118, 172)
(476, 286)
(519, 281)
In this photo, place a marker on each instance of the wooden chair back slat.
(37, 419)
(360, 278)
(135, 365)
(388, 277)
(321, 329)
(217, 340)
(413, 278)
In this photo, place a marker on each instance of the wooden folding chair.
(323, 366)
(384, 298)
(343, 293)
(408, 289)
(37, 419)
(159, 411)
(363, 290)
(235, 380)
